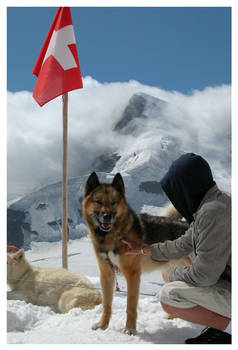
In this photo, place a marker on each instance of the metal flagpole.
(65, 183)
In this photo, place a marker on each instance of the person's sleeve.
(179, 248)
(213, 250)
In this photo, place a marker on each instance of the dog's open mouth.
(105, 226)
(104, 220)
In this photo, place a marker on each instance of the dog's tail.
(170, 212)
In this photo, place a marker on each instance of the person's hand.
(134, 248)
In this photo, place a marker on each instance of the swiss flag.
(57, 66)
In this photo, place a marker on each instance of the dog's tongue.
(106, 226)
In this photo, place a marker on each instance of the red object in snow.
(12, 249)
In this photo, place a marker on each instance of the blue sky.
(174, 48)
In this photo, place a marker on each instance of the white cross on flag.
(57, 66)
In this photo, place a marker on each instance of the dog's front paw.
(129, 331)
(100, 325)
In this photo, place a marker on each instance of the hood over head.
(186, 183)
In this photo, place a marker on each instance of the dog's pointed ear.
(118, 183)
(19, 255)
(91, 183)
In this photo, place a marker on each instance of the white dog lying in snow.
(48, 286)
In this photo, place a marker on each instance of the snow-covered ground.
(30, 324)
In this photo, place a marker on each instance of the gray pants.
(216, 298)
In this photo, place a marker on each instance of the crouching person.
(200, 292)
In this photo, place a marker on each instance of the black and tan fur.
(110, 220)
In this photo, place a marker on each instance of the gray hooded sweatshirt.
(208, 210)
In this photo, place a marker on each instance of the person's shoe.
(210, 336)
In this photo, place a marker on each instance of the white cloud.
(200, 120)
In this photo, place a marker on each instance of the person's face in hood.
(187, 181)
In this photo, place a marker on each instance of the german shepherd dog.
(110, 220)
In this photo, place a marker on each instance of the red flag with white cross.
(57, 66)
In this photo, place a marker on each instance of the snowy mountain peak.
(139, 107)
